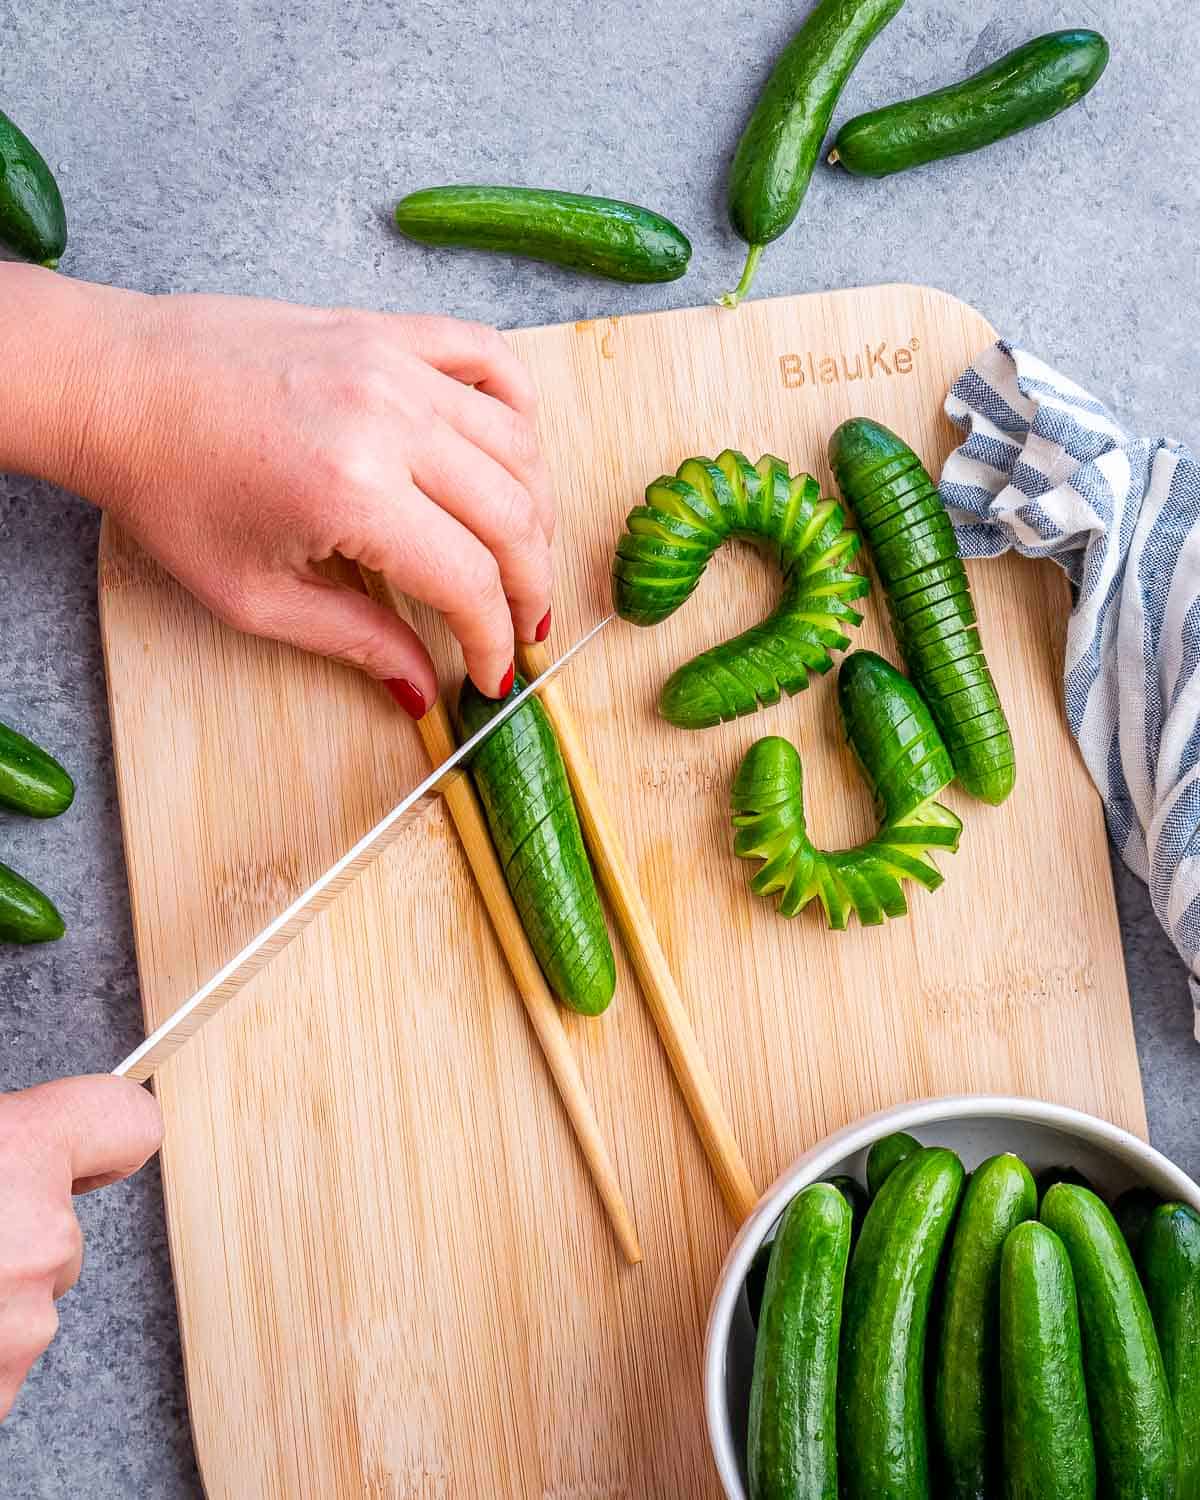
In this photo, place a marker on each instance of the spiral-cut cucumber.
(906, 765)
(663, 554)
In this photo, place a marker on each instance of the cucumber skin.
(882, 1441)
(33, 223)
(600, 236)
(522, 783)
(859, 451)
(1133, 1418)
(1169, 1260)
(965, 1408)
(1049, 1453)
(779, 147)
(26, 915)
(31, 780)
(888, 1153)
(792, 1442)
(1026, 87)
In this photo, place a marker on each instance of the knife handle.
(437, 735)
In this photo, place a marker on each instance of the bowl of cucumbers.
(970, 1295)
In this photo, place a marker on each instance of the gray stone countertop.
(258, 146)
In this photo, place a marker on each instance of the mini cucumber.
(965, 1408)
(1132, 1212)
(33, 223)
(756, 1279)
(904, 763)
(1133, 1419)
(600, 236)
(1027, 86)
(779, 147)
(886, 1155)
(792, 1442)
(31, 780)
(1061, 1172)
(666, 547)
(1043, 1411)
(855, 1195)
(882, 1440)
(1169, 1259)
(26, 915)
(522, 783)
(935, 630)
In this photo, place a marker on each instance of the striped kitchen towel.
(1046, 470)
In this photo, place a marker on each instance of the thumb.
(106, 1127)
(329, 619)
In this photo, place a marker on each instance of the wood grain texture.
(394, 1277)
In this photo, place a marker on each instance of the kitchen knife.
(214, 994)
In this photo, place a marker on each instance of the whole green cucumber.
(779, 147)
(856, 1196)
(1132, 1212)
(1133, 1418)
(26, 915)
(939, 640)
(756, 1279)
(882, 1443)
(1048, 1449)
(886, 1155)
(1032, 84)
(601, 236)
(33, 223)
(791, 1448)
(667, 545)
(31, 780)
(1169, 1259)
(1061, 1172)
(519, 774)
(965, 1409)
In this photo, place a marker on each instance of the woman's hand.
(241, 441)
(55, 1140)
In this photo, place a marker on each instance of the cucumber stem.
(833, 158)
(731, 299)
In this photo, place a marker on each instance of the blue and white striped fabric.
(1046, 470)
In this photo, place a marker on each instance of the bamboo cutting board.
(394, 1278)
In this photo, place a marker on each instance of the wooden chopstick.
(437, 735)
(649, 961)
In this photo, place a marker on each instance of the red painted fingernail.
(410, 698)
(543, 629)
(507, 680)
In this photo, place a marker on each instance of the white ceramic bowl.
(976, 1126)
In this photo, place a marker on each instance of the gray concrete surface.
(257, 147)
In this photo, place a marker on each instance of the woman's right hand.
(56, 1140)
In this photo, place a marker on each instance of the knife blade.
(215, 993)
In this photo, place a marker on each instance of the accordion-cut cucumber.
(522, 783)
(904, 763)
(663, 554)
(912, 543)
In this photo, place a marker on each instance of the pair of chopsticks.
(641, 941)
